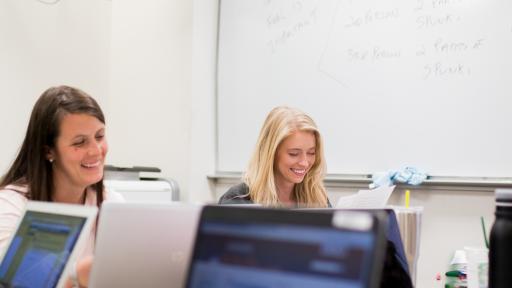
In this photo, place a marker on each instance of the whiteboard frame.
(340, 180)
(476, 184)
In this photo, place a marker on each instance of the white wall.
(162, 97)
(150, 111)
(202, 129)
(45, 45)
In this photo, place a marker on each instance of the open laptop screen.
(277, 248)
(40, 249)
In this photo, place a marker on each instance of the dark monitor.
(261, 247)
(396, 271)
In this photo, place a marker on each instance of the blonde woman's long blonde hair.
(280, 123)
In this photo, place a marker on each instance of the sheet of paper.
(346, 202)
(367, 199)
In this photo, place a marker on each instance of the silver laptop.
(48, 239)
(144, 244)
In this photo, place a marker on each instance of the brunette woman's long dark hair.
(31, 167)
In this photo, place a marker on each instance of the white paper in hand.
(367, 199)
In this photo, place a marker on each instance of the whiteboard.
(389, 83)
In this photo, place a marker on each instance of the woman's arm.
(12, 205)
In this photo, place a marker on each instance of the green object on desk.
(454, 286)
(485, 233)
(454, 273)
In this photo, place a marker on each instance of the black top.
(239, 194)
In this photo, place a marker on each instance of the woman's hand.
(83, 270)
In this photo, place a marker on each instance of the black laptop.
(261, 247)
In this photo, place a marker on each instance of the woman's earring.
(51, 160)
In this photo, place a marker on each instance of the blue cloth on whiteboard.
(408, 175)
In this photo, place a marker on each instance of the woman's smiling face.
(80, 150)
(294, 157)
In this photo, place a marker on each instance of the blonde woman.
(287, 166)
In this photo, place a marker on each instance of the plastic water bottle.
(500, 249)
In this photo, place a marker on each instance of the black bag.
(394, 275)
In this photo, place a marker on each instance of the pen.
(407, 198)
